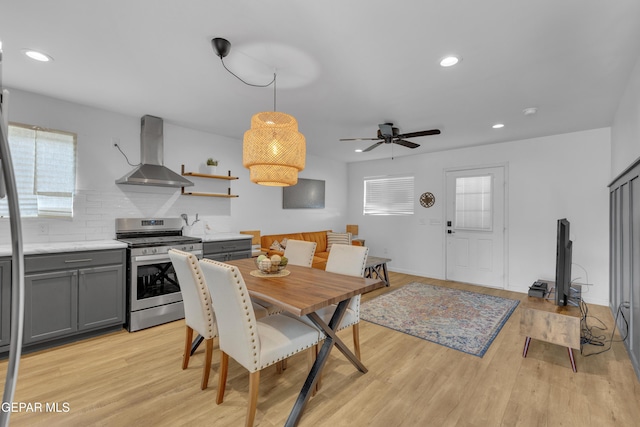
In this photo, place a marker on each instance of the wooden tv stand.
(543, 320)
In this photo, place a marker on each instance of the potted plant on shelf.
(212, 165)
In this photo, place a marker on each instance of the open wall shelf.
(227, 177)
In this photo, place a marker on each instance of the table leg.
(330, 332)
(526, 347)
(330, 340)
(572, 359)
(385, 274)
(196, 343)
(380, 271)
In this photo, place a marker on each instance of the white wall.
(625, 132)
(99, 200)
(548, 178)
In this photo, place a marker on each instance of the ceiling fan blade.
(406, 143)
(372, 147)
(421, 133)
(359, 139)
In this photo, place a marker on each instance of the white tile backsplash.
(95, 213)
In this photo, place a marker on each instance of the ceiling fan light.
(273, 150)
(449, 61)
(37, 56)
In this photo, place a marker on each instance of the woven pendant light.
(273, 150)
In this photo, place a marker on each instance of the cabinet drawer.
(71, 260)
(240, 255)
(226, 246)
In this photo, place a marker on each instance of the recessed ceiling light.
(358, 151)
(37, 56)
(498, 126)
(449, 61)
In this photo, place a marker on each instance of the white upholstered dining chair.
(198, 309)
(297, 252)
(253, 343)
(349, 260)
(300, 252)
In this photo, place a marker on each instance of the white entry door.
(475, 226)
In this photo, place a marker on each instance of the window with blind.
(388, 195)
(44, 162)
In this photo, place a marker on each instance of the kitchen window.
(389, 195)
(44, 163)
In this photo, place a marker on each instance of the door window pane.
(473, 206)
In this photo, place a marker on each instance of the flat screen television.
(563, 263)
(306, 194)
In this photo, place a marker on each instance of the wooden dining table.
(302, 292)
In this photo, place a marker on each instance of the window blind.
(44, 162)
(388, 195)
(473, 206)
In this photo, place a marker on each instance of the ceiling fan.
(388, 134)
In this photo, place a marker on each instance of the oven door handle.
(161, 257)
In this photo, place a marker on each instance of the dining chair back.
(198, 310)
(253, 343)
(300, 252)
(349, 260)
(297, 252)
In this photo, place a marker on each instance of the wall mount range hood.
(152, 171)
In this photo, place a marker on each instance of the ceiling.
(342, 67)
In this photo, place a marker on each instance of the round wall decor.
(427, 199)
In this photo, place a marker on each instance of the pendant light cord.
(272, 82)
(247, 83)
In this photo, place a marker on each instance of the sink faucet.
(186, 219)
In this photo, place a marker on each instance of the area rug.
(462, 320)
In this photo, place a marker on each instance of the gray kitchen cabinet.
(227, 250)
(100, 296)
(74, 292)
(5, 302)
(51, 305)
(624, 258)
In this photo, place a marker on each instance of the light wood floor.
(124, 379)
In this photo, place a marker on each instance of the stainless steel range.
(153, 291)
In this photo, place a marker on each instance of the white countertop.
(44, 248)
(93, 245)
(218, 237)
